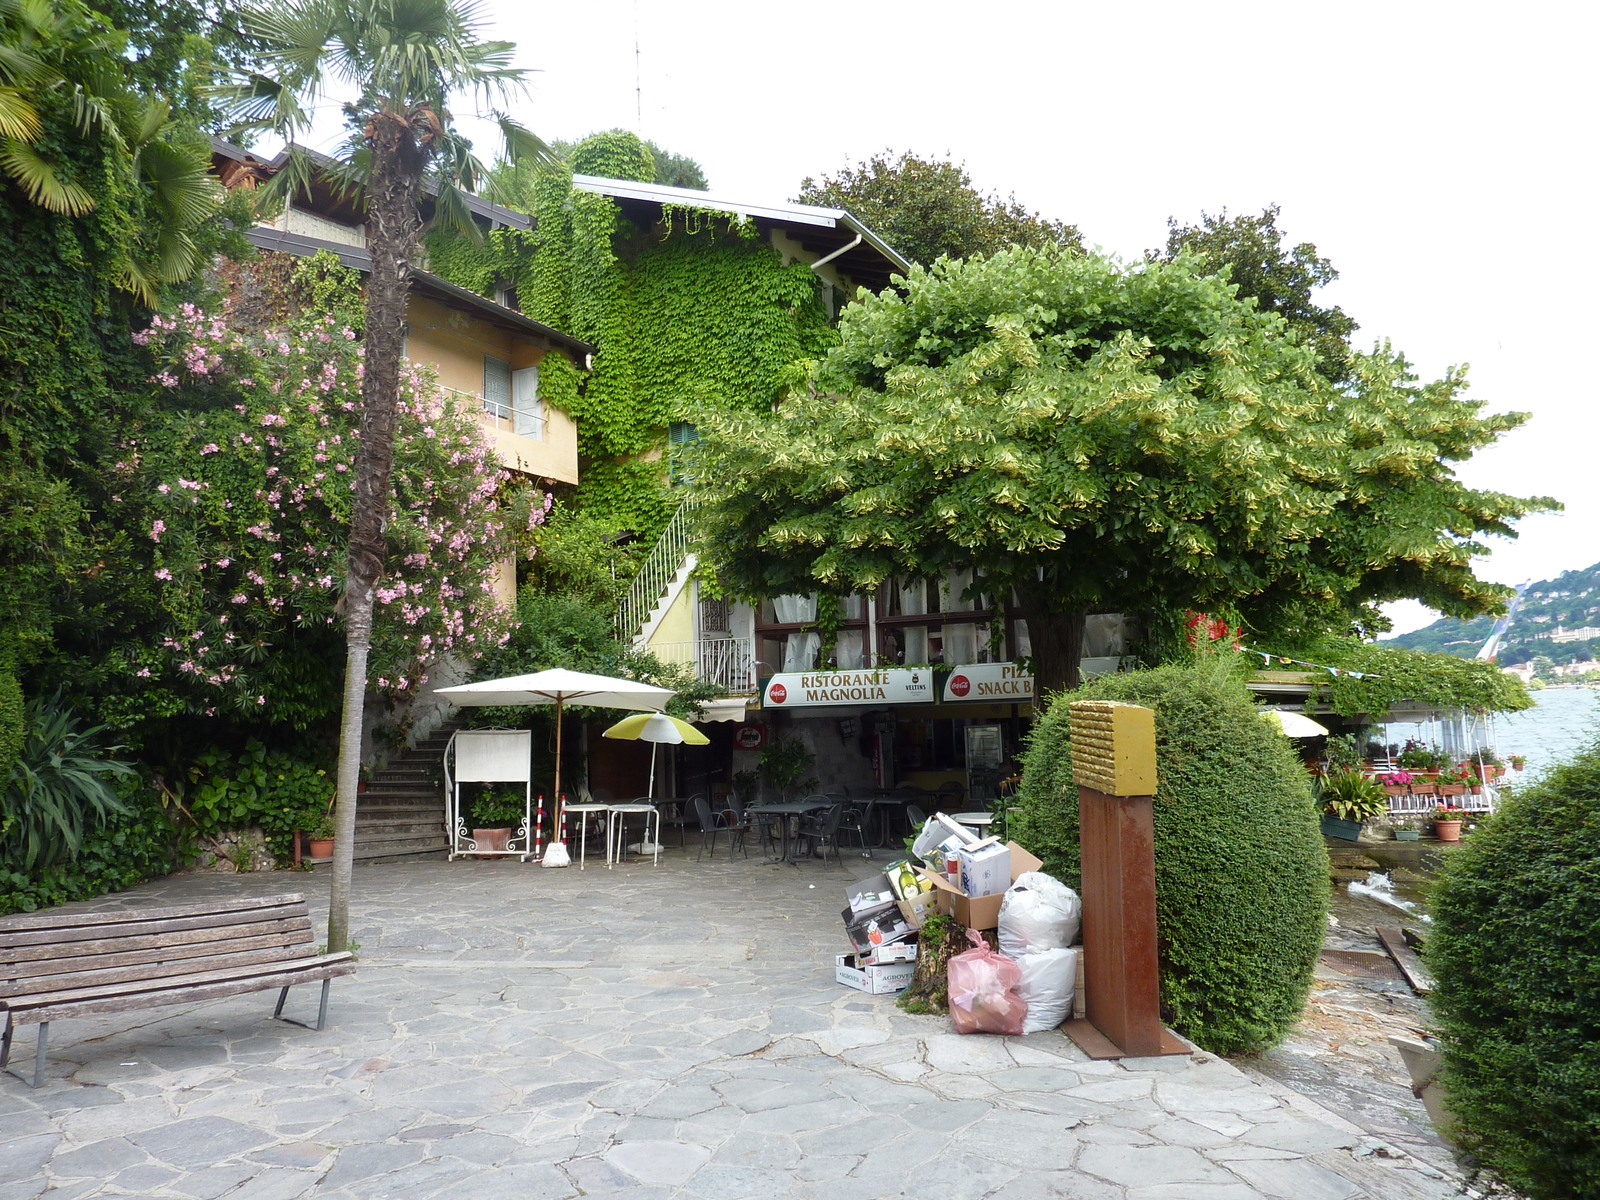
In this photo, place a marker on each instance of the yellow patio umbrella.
(656, 728)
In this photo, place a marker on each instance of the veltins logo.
(960, 685)
(778, 693)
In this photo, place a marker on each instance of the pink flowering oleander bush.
(240, 481)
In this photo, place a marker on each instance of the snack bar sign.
(812, 690)
(988, 683)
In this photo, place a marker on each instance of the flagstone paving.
(639, 1033)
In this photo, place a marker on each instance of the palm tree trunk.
(393, 187)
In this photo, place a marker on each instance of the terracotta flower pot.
(1448, 831)
(1401, 790)
(321, 847)
(492, 839)
(1452, 789)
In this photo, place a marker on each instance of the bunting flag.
(1268, 659)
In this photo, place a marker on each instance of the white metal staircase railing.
(728, 662)
(650, 584)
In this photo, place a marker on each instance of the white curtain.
(1104, 635)
(1022, 648)
(913, 595)
(847, 650)
(792, 609)
(800, 651)
(960, 643)
(916, 644)
(950, 589)
(852, 607)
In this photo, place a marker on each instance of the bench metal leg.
(38, 1055)
(282, 996)
(322, 1010)
(5, 1044)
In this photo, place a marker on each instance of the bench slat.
(13, 960)
(106, 931)
(117, 991)
(70, 920)
(324, 968)
(71, 963)
(227, 955)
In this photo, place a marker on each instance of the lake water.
(1561, 721)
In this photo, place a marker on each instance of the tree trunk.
(392, 226)
(1056, 639)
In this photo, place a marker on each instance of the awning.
(729, 708)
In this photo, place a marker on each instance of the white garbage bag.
(1039, 912)
(1048, 980)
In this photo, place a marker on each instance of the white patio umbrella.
(560, 687)
(1293, 724)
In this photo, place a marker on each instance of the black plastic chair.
(712, 825)
(916, 817)
(675, 815)
(822, 832)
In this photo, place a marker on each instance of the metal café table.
(788, 812)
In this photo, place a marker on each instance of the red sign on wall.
(959, 685)
(777, 693)
(750, 737)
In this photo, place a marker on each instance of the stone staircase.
(401, 814)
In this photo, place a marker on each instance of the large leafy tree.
(928, 209)
(409, 59)
(1281, 279)
(1101, 437)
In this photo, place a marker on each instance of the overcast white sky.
(1440, 154)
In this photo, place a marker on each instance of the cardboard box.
(896, 953)
(985, 868)
(871, 892)
(917, 909)
(881, 926)
(979, 912)
(874, 980)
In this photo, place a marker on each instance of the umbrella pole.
(557, 820)
(652, 791)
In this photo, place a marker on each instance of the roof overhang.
(453, 296)
(820, 230)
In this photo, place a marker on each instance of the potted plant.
(1396, 783)
(1422, 759)
(1349, 800)
(320, 835)
(1447, 822)
(1456, 780)
(1517, 762)
(1406, 835)
(496, 813)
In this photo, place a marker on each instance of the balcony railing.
(728, 662)
(660, 567)
(501, 413)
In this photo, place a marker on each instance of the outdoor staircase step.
(388, 812)
(368, 847)
(403, 827)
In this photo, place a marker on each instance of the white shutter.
(496, 386)
(526, 408)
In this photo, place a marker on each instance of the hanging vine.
(698, 309)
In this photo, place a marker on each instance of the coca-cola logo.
(960, 685)
(778, 694)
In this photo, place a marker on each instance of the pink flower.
(163, 488)
(157, 528)
(163, 574)
(210, 448)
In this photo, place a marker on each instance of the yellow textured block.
(1114, 747)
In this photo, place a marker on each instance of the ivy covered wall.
(699, 309)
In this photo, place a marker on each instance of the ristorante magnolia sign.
(988, 683)
(801, 689)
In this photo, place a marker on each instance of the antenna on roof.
(638, 77)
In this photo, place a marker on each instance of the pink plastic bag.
(983, 990)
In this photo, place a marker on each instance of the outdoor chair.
(712, 825)
(675, 815)
(917, 818)
(820, 832)
(743, 823)
(953, 795)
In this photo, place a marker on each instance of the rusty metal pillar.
(1114, 762)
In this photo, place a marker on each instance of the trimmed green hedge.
(1241, 869)
(1516, 951)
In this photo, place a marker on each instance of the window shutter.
(496, 386)
(527, 409)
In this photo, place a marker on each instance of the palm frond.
(181, 184)
(450, 211)
(42, 180)
(18, 117)
(523, 146)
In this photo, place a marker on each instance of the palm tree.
(407, 58)
(63, 80)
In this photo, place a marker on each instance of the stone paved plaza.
(646, 1032)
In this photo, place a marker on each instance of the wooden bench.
(58, 965)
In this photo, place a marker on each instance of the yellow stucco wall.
(677, 623)
(454, 343)
(792, 251)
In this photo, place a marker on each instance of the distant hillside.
(1568, 602)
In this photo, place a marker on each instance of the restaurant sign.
(804, 689)
(988, 683)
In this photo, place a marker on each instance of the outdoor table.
(583, 810)
(787, 813)
(616, 815)
(978, 820)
